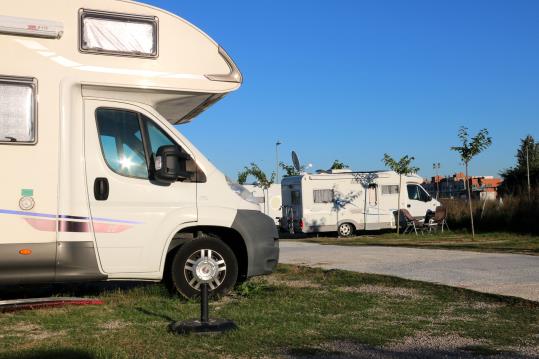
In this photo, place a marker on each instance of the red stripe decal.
(47, 225)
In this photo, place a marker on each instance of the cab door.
(418, 201)
(132, 216)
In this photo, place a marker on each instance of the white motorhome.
(269, 200)
(97, 183)
(346, 201)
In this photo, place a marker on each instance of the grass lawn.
(483, 242)
(296, 312)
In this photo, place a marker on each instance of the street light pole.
(277, 144)
(436, 167)
(528, 171)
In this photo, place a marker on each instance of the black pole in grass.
(204, 325)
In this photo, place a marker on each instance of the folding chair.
(410, 222)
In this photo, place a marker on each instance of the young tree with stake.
(469, 149)
(402, 167)
(262, 180)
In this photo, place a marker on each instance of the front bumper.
(261, 239)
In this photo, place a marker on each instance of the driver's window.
(158, 138)
(413, 192)
(425, 197)
(121, 142)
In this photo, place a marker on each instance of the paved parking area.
(497, 273)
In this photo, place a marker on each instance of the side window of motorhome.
(159, 138)
(121, 142)
(17, 110)
(118, 34)
(323, 195)
(417, 193)
(390, 189)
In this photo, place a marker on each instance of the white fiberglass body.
(100, 108)
(366, 200)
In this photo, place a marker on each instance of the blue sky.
(353, 79)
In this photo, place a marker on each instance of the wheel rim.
(205, 266)
(345, 229)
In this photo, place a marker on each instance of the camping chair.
(410, 222)
(438, 220)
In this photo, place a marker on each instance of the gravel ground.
(496, 273)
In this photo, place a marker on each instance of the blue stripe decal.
(63, 216)
(117, 220)
(27, 214)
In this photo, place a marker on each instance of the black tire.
(346, 230)
(181, 277)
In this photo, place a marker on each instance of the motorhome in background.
(270, 200)
(346, 201)
(98, 183)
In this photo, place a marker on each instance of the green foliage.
(262, 180)
(471, 146)
(251, 288)
(402, 166)
(242, 177)
(290, 170)
(515, 178)
(338, 165)
(469, 149)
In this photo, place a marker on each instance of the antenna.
(295, 161)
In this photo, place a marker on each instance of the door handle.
(101, 189)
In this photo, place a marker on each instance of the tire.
(346, 230)
(220, 264)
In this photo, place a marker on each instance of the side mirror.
(168, 164)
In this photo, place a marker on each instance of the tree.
(338, 165)
(515, 179)
(470, 148)
(402, 167)
(291, 170)
(262, 180)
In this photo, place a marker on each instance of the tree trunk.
(468, 187)
(399, 206)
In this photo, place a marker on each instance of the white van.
(97, 183)
(346, 201)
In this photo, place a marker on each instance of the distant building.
(483, 187)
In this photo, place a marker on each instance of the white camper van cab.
(97, 183)
(346, 201)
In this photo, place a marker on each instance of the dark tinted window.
(413, 192)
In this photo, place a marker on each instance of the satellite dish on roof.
(295, 161)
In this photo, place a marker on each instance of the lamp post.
(436, 167)
(528, 170)
(277, 144)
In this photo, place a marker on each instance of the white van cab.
(97, 183)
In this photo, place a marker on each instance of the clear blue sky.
(351, 80)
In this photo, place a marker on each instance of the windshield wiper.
(11, 139)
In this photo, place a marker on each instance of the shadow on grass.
(90, 289)
(50, 354)
(351, 350)
(157, 315)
